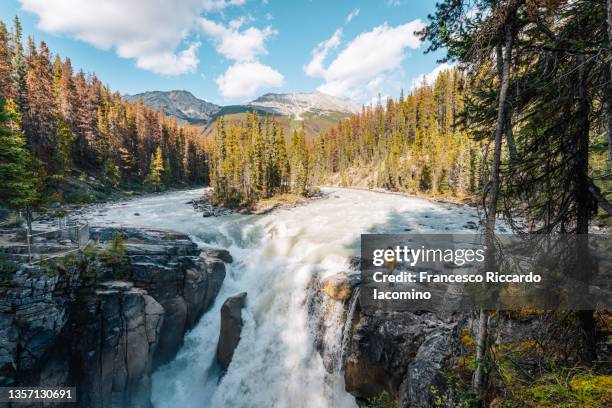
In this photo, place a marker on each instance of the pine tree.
(300, 163)
(62, 143)
(425, 181)
(40, 122)
(5, 64)
(20, 183)
(156, 169)
(111, 173)
(66, 92)
(443, 182)
(18, 67)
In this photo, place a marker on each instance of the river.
(276, 255)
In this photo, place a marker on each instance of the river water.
(275, 258)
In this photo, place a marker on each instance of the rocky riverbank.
(264, 206)
(402, 354)
(81, 321)
(424, 359)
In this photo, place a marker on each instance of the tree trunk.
(505, 57)
(28, 214)
(512, 153)
(608, 101)
(583, 201)
(481, 350)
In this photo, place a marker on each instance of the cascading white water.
(348, 323)
(276, 363)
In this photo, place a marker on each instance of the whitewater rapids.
(275, 258)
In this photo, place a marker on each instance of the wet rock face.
(423, 374)
(401, 352)
(231, 326)
(76, 325)
(115, 342)
(33, 312)
(222, 254)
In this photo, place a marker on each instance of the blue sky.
(231, 51)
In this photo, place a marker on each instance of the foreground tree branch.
(601, 200)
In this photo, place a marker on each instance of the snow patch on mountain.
(297, 104)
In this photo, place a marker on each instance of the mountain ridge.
(298, 103)
(188, 108)
(179, 103)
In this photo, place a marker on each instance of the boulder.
(231, 325)
(470, 225)
(337, 287)
(222, 254)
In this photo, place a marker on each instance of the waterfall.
(326, 318)
(348, 326)
(293, 342)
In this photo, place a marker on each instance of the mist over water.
(276, 257)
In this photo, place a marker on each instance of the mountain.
(315, 111)
(180, 104)
(299, 104)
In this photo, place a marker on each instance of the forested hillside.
(414, 144)
(80, 138)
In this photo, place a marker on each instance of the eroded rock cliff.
(75, 322)
(402, 353)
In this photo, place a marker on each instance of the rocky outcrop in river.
(403, 353)
(231, 326)
(74, 322)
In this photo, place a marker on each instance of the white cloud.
(247, 75)
(319, 53)
(394, 3)
(234, 44)
(352, 15)
(374, 86)
(150, 31)
(370, 55)
(245, 79)
(430, 77)
(169, 63)
(217, 5)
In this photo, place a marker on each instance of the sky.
(231, 51)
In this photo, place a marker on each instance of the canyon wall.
(80, 322)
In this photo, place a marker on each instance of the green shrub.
(565, 389)
(115, 256)
(7, 267)
(79, 196)
(13, 220)
(384, 400)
